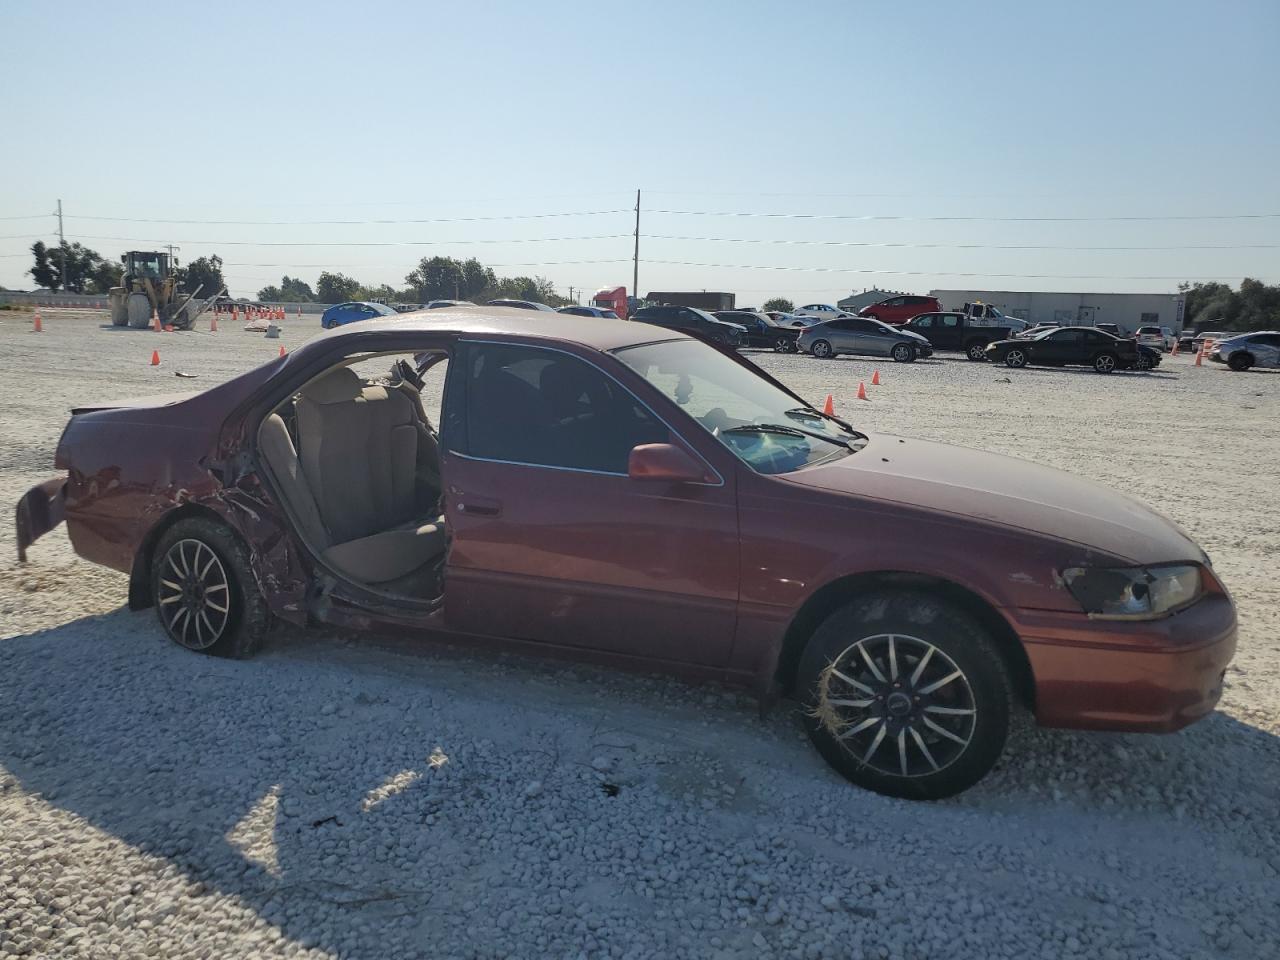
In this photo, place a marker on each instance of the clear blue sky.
(292, 111)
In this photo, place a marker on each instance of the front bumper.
(40, 510)
(1151, 676)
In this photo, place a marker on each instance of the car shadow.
(256, 779)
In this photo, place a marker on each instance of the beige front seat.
(353, 480)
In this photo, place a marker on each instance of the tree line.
(434, 278)
(1215, 306)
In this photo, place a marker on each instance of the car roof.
(514, 322)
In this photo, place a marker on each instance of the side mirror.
(664, 461)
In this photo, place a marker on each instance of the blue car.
(341, 313)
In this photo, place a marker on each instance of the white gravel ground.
(340, 797)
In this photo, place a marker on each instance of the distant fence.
(99, 301)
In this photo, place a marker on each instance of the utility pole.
(171, 248)
(62, 247)
(635, 262)
(571, 295)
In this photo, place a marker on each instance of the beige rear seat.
(353, 480)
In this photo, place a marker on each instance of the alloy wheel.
(821, 349)
(898, 704)
(194, 594)
(976, 351)
(902, 353)
(1105, 363)
(1015, 358)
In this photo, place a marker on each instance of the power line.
(347, 223)
(959, 246)
(925, 273)
(358, 243)
(966, 219)
(36, 216)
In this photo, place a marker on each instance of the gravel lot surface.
(338, 796)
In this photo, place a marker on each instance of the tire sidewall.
(1100, 367)
(903, 353)
(826, 352)
(953, 632)
(1240, 362)
(976, 352)
(1017, 364)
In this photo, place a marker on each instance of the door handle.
(479, 506)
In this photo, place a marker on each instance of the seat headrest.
(336, 386)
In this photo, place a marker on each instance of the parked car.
(1161, 338)
(1036, 329)
(522, 305)
(708, 522)
(821, 311)
(900, 309)
(789, 319)
(1074, 346)
(1260, 349)
(440, 304)
(1111, 328)
(695, 322)
(830, 338)
(761, 330)
(600, 313)
(343, 313)
(955, 331)
(1193, 341)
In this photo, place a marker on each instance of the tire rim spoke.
(199, 620)
(903, 707)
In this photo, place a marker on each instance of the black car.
(1074, 346)
(695, 322)
(761, 331)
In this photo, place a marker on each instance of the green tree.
(85, 268)
(203, 274)
(43, 272)
(291, 290)
(336, 288)
(779, 303)
(437, 278)
(476, 278)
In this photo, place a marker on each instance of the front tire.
(1015, 358)
(905, 695)
(1240, 361)
(904, 353)
(822, 350)
(204, 590)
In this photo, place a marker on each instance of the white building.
(1127, 310)
(856, 301)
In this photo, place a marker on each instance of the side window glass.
(950, 320)
(924, 321)
(542, 407)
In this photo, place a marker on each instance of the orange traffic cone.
(235, 314)
(862, 391)
(1174, 351)
(299, 311)
(155, 321)
(1200, 354)
(213, 322)
(829, 408)
(875, 379)
(37, 325)
(282, 349)
(155, 358)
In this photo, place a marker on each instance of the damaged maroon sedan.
(620, 493)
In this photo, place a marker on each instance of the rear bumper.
(1155, 676)
(40, 510)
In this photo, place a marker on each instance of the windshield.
(763, 425)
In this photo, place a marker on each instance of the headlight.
(1134, 593)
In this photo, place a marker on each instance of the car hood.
(914, 336)
(1007, 491)
(134, 403)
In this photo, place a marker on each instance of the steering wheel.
(405, 371)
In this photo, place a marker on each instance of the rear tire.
(905, 695)
(1240, 361)
(1105, 363)
(198, 566)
